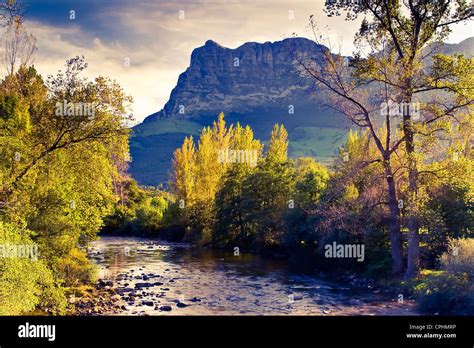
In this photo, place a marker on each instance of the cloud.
(158, 43)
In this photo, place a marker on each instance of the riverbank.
(100, 299)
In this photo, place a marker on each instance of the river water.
(161, 278)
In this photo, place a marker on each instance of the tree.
(278, 146)
(233, 223)
(54, 131)
(269, 191)
(56, 173)
(209, 173)
(10, 10)
(345, 94)
(398, 36)
(183, 179)
(311, 181)
(18, 46)
(25, 283)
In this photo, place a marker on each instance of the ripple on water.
(161, 278)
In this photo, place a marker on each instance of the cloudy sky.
(157, 36)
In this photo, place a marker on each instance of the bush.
(460, 257)
(377, 249)
(150, 214)
(143, 212)
(450, 291)
(26, 283)
(445, 293)
(75, 269)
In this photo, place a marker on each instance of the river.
(160, 278)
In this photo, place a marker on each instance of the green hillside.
(153, 143)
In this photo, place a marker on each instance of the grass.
(165, 126)
(319, 142)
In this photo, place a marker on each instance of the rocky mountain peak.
(237, 80)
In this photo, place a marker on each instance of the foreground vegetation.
(56, 177)
(63, 142)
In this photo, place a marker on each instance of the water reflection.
(157, 278)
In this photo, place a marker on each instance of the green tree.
(233, 223)
(57, 169)
(311, 181)
(270, 191)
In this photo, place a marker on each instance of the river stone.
(104, 283)
(123, 290)
(166, 308)
(143, 285)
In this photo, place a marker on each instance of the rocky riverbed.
(145, 277)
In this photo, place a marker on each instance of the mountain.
(255, 84)
(465, 47)
(238, 80)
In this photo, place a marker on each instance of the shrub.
(445, 293)
(460, 257)
(26, 283)
(75, 269)
(150, 214)
(379, 260)
(452, 290)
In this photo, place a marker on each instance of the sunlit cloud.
(158, 37)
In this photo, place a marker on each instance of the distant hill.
(254, 84)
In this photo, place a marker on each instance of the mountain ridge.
(249, 70)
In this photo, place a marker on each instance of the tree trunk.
(394, 223)
(413, 256)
